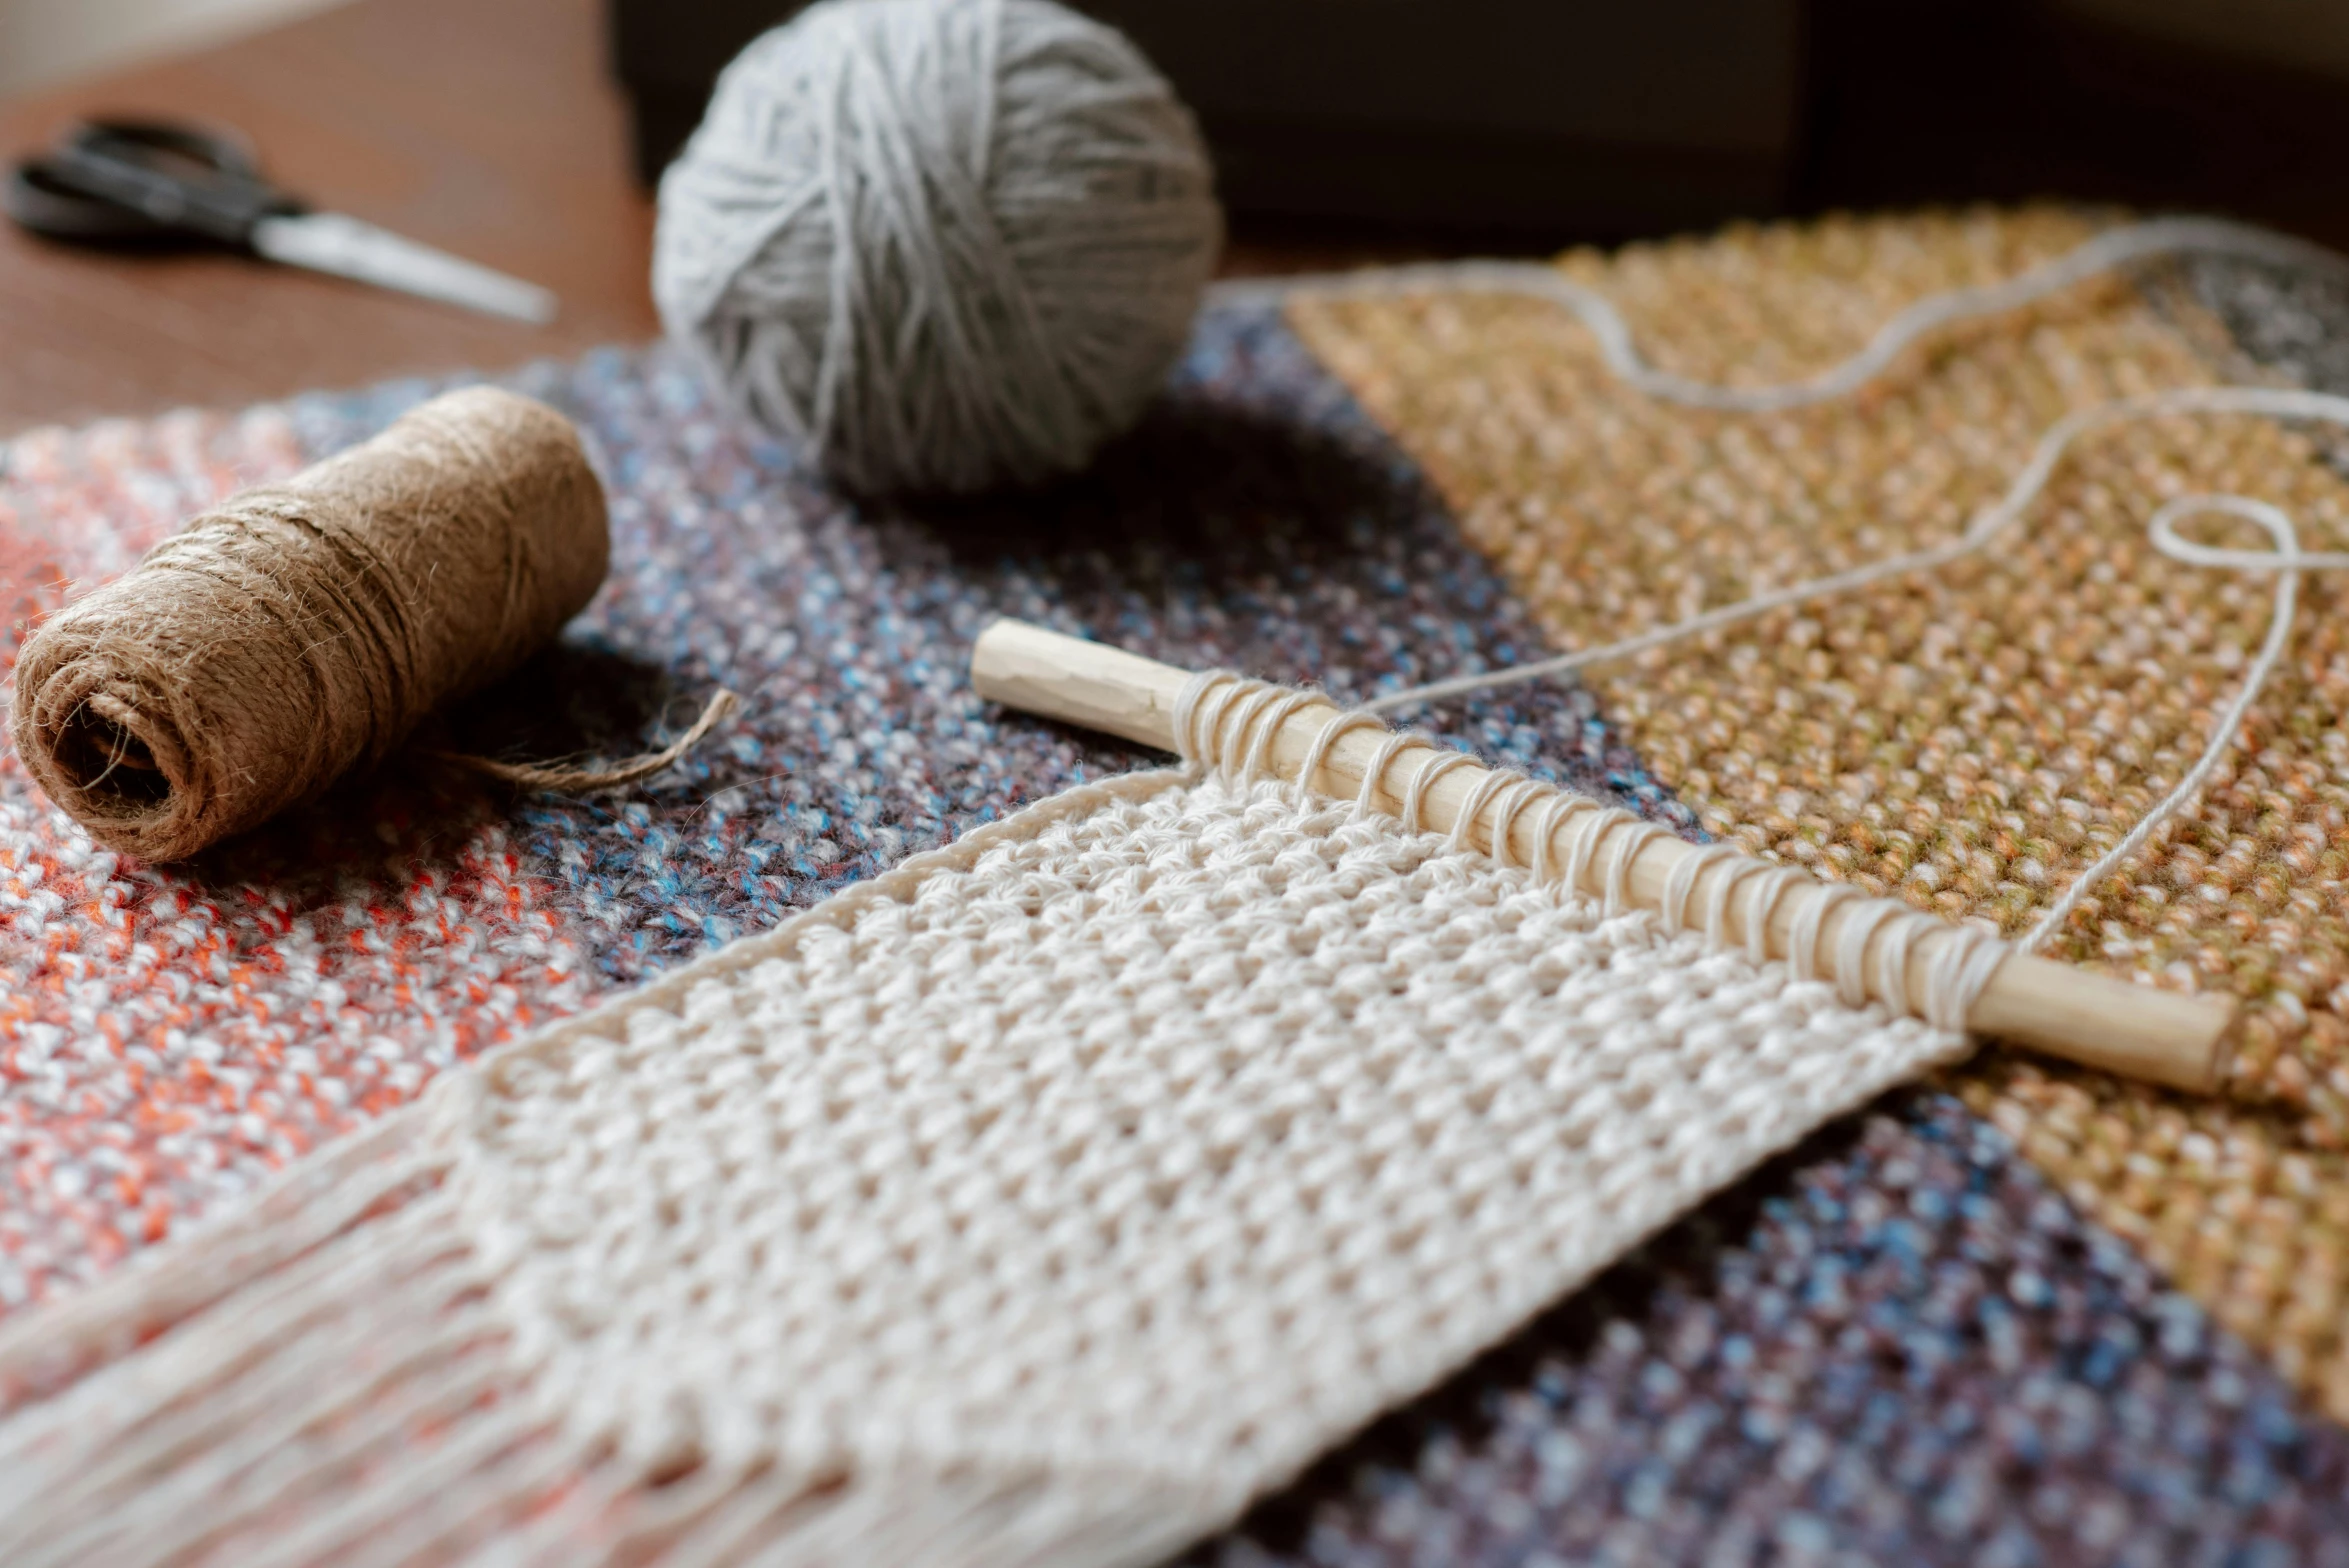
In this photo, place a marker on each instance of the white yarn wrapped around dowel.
(946, 244)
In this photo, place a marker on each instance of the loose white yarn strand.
(2113, 248)
(2230, 723)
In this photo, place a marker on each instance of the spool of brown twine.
(301, 631)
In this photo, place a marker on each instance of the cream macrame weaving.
(1039, 1202)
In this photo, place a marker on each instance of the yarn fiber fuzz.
(944, 244)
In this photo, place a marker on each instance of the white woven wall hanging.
(1040, 1202)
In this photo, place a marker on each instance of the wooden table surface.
(487, 127)
(490, 128)
(478, 125)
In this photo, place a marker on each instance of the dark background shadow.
(1342, 131)
(1203, 493)
(1945, 101)
(572, 700)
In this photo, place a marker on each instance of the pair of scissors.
(150, 184)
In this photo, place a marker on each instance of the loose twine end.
(572, 780)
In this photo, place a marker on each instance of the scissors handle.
(133, 181)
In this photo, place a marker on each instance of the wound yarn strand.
(1225, 725)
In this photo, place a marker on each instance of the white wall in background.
(43, 41)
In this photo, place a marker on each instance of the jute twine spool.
(301, 631)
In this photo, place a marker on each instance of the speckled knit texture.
(1968, 739)
(169, 1037)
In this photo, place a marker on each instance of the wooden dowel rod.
(2078, 1014)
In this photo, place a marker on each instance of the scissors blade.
(346, 247)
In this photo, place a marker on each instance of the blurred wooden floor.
(483, 126)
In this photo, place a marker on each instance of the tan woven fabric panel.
(1968, 741)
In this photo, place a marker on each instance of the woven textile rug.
(2024, 1316)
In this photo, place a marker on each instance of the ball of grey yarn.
(944, 244)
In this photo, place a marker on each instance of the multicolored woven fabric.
(1969, 739)
(1903, 1341)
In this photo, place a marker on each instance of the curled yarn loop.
(1227, 724)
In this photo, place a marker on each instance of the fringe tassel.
(327, 1380)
